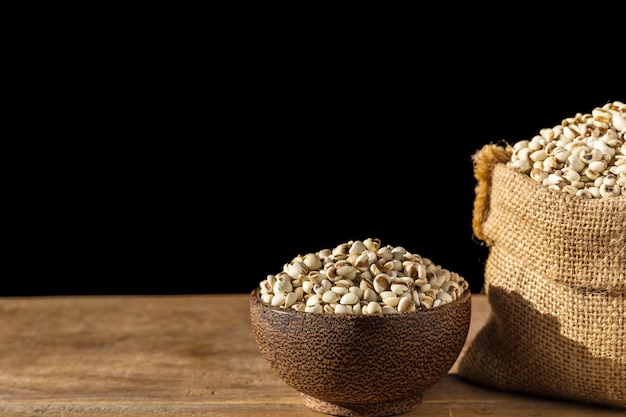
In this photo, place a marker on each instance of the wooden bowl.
(361, 365)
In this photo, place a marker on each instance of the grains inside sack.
(585, 155)
(361, 277)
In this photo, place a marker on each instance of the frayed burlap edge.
(484, 160)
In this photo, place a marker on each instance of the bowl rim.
(254, 298)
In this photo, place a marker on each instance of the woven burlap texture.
(555, 278)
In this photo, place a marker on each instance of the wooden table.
(184, 355)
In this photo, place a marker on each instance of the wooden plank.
(182, 356)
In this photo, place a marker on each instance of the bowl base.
(362, 410)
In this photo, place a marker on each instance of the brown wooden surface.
(184, 355)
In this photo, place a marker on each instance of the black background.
(206, 177)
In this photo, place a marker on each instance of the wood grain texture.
(183, 355)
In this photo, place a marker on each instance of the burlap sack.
(555, 278)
